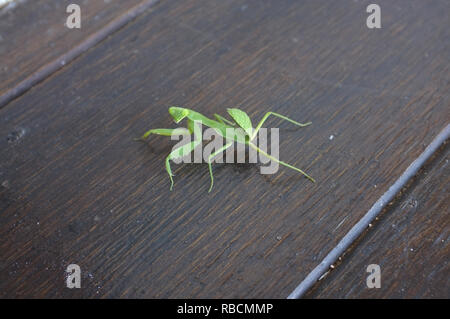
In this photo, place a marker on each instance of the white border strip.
(364, 222)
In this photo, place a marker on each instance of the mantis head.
(178, 113)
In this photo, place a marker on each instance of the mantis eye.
(178, 113)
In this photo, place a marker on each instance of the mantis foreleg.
(165, 132)
(179, 153)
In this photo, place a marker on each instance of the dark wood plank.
(410, 242)
(33, 33)
(77, 189)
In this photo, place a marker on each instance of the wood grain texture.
(77, 189)
(410, 242)
(33, 33)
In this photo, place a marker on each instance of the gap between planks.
(91, 41)
(318, 272)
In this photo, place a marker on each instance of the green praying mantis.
(225, 128)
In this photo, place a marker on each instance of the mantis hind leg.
(281, 162)
(281, 117)
(220, 150)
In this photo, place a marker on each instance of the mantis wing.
(242, 119)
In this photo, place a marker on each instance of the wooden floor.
(76, 189)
